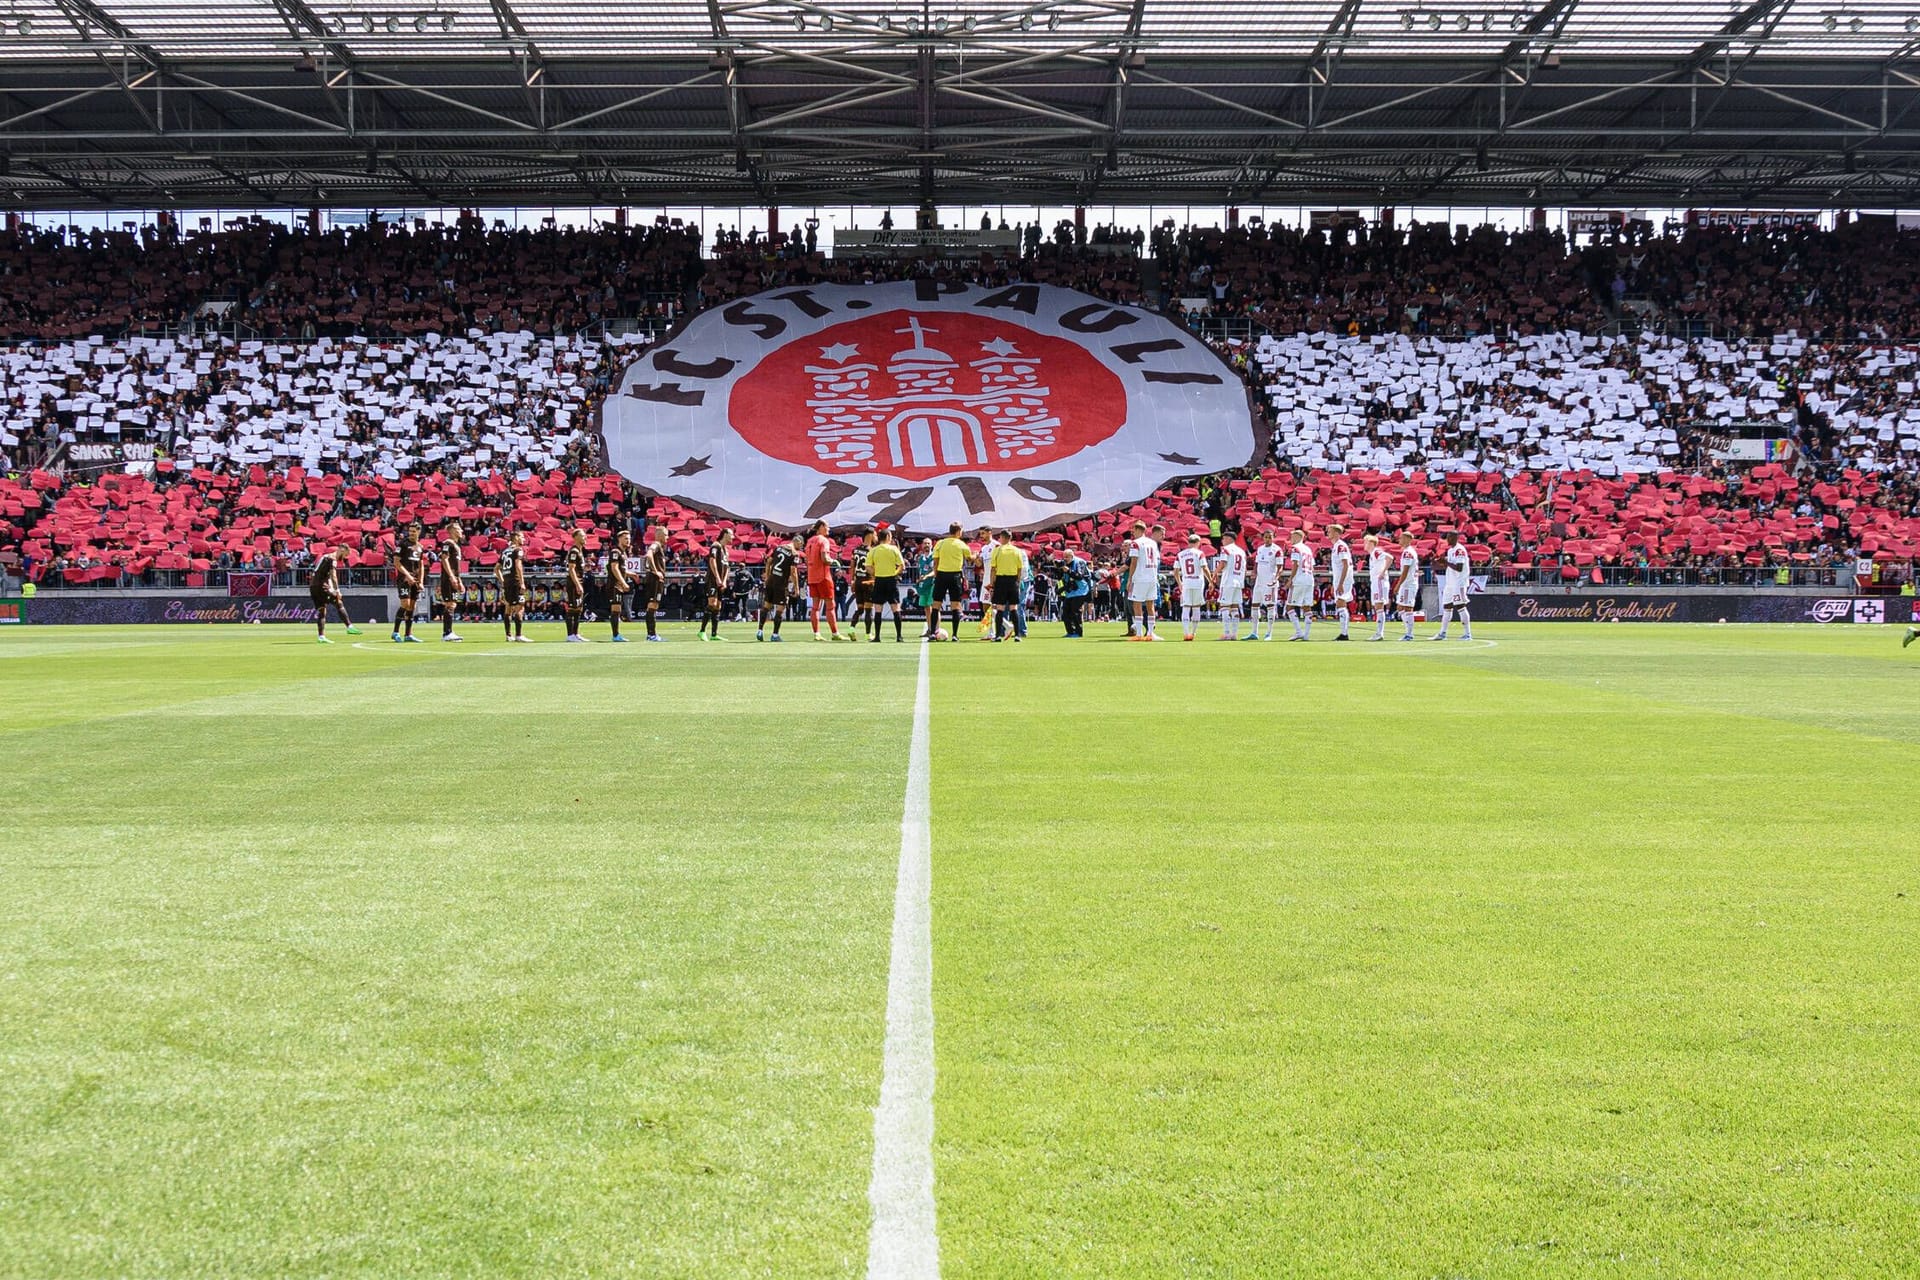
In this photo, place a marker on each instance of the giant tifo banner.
(922, 403)
(1759, 606)
(83, 608)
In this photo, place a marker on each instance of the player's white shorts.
(1344, 595)
(1144, 593)
(1231, 591)
(1266, 592)
(1409, 596)
(1300, 594)
(1455, 596)
(1382, 593)
(1193, 595)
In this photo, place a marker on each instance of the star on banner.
(839, 352)
(1000, 347)
(1180, 459)
(693, 467)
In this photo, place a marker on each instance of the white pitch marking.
(903, 1243)
(390, 647)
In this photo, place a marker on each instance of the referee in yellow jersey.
(1009, 566)
(950, 556)
(884, 563)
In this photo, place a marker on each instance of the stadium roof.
(195, 103)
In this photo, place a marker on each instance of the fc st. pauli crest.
(922, 403)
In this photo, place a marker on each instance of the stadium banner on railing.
(1328, 219)
(1582, 221)
(87, 608)
(1778, 449)
(249, 584)
(936, 238)
(1745, 218)
(13, 612)
(1758, 606)
(922, 403)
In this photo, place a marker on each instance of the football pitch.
(1574, 951)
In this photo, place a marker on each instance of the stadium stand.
(1422, 379)
(382, 280)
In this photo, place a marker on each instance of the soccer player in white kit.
(1267, 559)
(1300, 587)
(1143, 580)
(1379, 585)
(1191, 566)
(1453, 590)
(983, 558)
(1231, 573)
(1406, 587)
(1340, 572)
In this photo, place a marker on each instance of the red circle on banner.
(920, 394)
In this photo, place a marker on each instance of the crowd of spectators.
(1858, 282)
(1421, 379)
(1617, 405)
(382, 279)
(750, 266)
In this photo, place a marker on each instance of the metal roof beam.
(1737, 26)
(1115, 108)
(1331, 46)
(85, 18)
(739, 109)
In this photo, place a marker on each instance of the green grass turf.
(555, 960)
(1591, 951)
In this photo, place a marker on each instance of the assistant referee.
(949, 584)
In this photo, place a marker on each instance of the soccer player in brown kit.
(863, 582)
(618, 581)
(653, 584)
(719, 568)
(451, 587)
(410, 571)
(325, 588)
(575, 566)
(512, 576)
(776, 586)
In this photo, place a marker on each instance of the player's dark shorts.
(648, 593)
(862, 591)
(513, 596)
(1006, 593)
(409, 596)
(775, 595)
(949, 587)
(321, 599)
(575, 598)
(885, 591)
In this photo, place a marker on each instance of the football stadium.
(656, 639)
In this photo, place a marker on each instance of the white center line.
(904, 1244)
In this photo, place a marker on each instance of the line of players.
(878, 565)
(644, 578)
(1287, 575)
